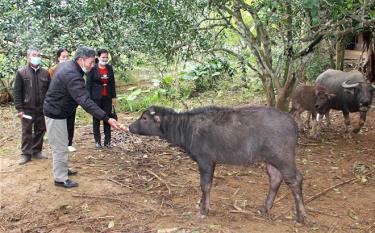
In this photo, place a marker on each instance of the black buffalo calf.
(233, 136)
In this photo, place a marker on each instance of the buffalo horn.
(346, 85)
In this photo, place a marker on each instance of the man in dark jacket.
(66, 92)
(30, 87)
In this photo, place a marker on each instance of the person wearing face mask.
(30, 87)
(62, 55)
(67, 90)
(100, 84)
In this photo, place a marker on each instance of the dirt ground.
(144, 184)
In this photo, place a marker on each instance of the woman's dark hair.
(100, 51)
(60, 51)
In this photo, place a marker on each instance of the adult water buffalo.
(352, 94)
(238, 136)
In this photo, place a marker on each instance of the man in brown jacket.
(30, 87)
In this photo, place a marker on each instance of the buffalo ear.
(157, 119)
(331, 96)
(316, 91)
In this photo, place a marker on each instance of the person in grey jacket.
(67, 90)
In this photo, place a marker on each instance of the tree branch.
(239, 57)
(309, 48)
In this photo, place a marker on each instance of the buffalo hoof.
(262, 211)
(204, 212)
(356, 130)
(202, 216)
(300, 220)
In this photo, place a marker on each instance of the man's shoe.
(72, 172)
(98, 145)
(40, 155)
(24, 159)
(71, 149)
(66, 184)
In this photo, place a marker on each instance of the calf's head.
(147, 124)
(322, 100)
(361, 92)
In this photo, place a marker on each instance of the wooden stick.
(124, 185)
(322, 193)
(282, 197)
(321, 212)
(329, 189)
(53, 225)
(308, 144)
(114, 199)
(161, 180)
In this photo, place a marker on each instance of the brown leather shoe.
(24, 159)
(40, 155)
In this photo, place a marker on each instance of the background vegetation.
(175, 52)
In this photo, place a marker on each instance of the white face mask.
(63, 60)
(84, 69)
(103, 63)
(36, 60)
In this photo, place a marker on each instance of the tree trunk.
(268, 90)
(340, 53)
(282, 100)
(175, 71)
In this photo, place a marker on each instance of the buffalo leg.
(297, 116)
(328, 120)
(314, 124)
(295, 184)
(362, 119)
(206, 170)
(307, 122)
(346, 121)
(275, 179)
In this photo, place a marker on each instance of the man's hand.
(114, 102)
(20, 115)
(116, 125)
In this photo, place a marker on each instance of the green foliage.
(160, 29)
(167, 85)
(140, 33)
(207, 75)
(318, 63)
(140, 99)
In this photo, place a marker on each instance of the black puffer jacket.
(95, 86)
(30, 88)
(67, 90)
